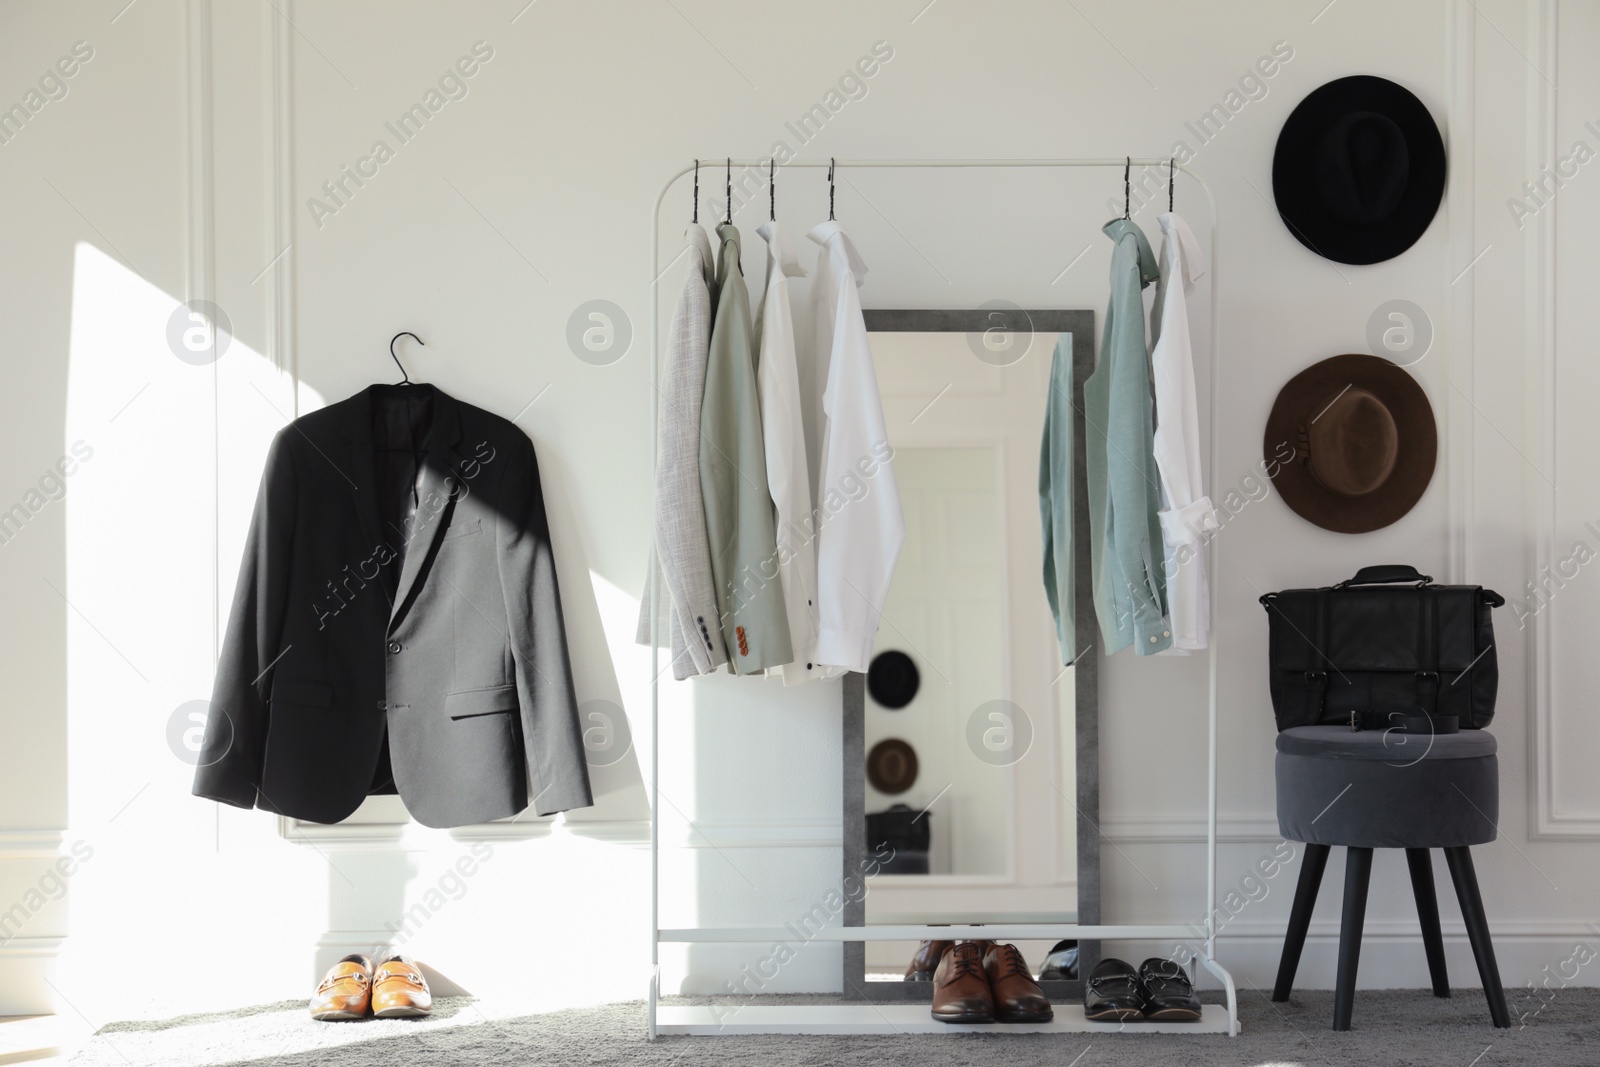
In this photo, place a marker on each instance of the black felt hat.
(893, 679)
(1359, 170)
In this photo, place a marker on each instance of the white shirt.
(788, 474)
(1186, 515)
(859, 522)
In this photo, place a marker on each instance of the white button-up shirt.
(788, 475)
(859, 521)
(1186, 515)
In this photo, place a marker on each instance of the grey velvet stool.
(1386, 789)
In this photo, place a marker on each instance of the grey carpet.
(1393, 1029)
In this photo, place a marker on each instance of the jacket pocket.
(463, 528)
(466, 703)
(303, 692)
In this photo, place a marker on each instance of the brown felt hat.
(892, 766)
(1352, 441)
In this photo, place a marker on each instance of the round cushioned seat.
(1387, 788)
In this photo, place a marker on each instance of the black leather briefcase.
(1382, 646)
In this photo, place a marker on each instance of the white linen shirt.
(1186, 514)
(788, 474)
(860, 526)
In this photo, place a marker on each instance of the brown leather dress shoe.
(1017, 997)
(961, 988)
(345, 991)
(926, 959)
(399, 991)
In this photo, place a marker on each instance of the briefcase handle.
(1387, 574)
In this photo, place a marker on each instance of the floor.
(1399, 1028)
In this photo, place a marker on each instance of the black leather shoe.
(1061, 964)
(1113, 993)
(1168, 995)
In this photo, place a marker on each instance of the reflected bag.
(899, 827)
(1386, 639)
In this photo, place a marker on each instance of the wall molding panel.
(1549, 821)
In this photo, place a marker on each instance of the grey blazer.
(733, 479)
(396, 626)
(686, 594)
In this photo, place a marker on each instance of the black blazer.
(397, 626)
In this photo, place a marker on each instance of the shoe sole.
(970, 1017)
(1174, 1015)
(401, 1013)
(337, 1016)
(1114, 1015)
(1025, 1018)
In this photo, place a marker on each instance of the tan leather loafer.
(399, 991)
(345, 991)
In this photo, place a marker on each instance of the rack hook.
(1172, 169)
(730, 190)
(696, 216)
(772, 189)
(831, 162)
(1127, 188)
(405, 379)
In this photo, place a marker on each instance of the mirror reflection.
(969, 716)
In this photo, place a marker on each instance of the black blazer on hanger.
(397, 626)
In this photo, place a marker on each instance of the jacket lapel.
(437, 490)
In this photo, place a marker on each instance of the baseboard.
(26, 965)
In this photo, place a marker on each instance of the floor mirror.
(970, 757)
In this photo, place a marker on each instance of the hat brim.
(1305, 397)
(1294, 185)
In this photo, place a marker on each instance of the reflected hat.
(1359, 170)
(1353, 441)
(893, 679)
(892, 766)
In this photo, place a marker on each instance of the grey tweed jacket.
(686, 593)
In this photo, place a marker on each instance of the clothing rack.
(872, 1018)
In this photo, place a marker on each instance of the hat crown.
(1354, 444)
(1363, 165)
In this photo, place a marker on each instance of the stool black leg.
(1420, 862)
(1466, 879)
(1357, 874)
(1305, 898)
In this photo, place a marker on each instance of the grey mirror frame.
(1086, 673)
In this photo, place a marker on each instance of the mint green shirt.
(1055, 498)
(1119, 432)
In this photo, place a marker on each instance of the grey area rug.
(1398, 1028)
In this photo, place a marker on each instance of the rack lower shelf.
(951, 931)
(847, 1019)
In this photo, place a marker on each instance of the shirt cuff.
(1185, 525)
(844, 648)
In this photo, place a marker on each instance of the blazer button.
(394, 647)
(383, 705)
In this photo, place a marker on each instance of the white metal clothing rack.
(880, 1018)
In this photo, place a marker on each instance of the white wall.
(179, 163)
